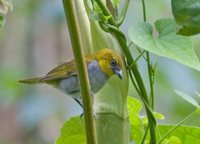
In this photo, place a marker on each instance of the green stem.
(106, 12)
(72, 21)
(134, 83)
(158, 132)
(134, 69)
(152, 125)
(137, 58)
(144, 11)
(122, 40)
(152, 97)
(138, 49)
(148, 62)
(141, 86)
(145, 134)
(196, 112)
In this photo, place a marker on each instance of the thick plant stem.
(112, 129)
(71, 16)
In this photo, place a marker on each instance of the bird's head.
(110, 62)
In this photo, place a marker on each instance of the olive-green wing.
(65, 70)
(62, 71)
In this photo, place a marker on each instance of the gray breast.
(96, 76)
(70, 86)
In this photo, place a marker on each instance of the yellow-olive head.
(110, 62)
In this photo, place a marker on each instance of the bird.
(101, 66)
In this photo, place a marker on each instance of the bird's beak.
(118, 72)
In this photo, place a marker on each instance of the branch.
(72, 21)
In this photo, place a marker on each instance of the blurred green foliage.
(9, 87)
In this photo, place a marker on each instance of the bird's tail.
(32, 80)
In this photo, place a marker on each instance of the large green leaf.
(185, 134)
(172, 140)
(167, 43)
(187, 14)
(72, 132)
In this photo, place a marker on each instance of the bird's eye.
(113, 62)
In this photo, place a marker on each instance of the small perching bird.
(101, 66)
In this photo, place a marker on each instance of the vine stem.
(196, 112)
(74, 30)
(106, 12)
(148, 61)
(141, 86)
(144, 11)
(152, 126)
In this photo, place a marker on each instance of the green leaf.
(134, 107)
(182, 135)
(187, 98)
(157, 115)
(172, 140)
(137, 133)
(72, 132)
(187, 15)
(167, 43)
